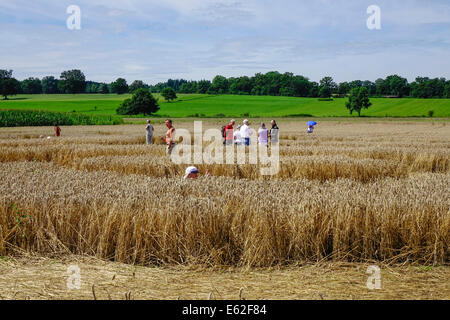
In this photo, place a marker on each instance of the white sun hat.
(190, 170)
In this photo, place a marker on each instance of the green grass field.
(231, 106)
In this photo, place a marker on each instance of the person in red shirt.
(57, 130)
(229, 133)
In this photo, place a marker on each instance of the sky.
(154, 40)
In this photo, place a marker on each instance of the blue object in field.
(311, 123)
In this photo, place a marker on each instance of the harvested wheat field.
(350, 195)
(103, 280)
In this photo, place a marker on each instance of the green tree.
(327, 87)
(189, 87)
(119, 86)
(185, 88)
(447, 90)
(382, 87)
(259, 87)
(241, 85)
(49, 85)
(142, 102)
(5, 74)
(169, 94)
(355, 84)
(301, 86)
(8, 85)
(103, 88)
(31, 86)
(92, 87)
(287, 91)
(203, 86)
(325, 92)
(371, 87)
(174, 84)
(397, 85)
(358, 99)
(219, 85)
(72, 81)
(136, 84)
(272, 83)
(314, 90)
(343, 88)
(425, 87)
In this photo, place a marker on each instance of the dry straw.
(345, 195)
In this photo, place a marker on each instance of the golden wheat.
(352, 192)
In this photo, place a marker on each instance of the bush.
(431, 113)
(22, 118)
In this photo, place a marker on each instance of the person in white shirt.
(246, 132)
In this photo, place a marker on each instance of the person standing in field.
(229, 137)
(149, 130)
(57, 130)
(274, 132)
(263, 135)
(246, 132)
(170, 137)
(237, 136)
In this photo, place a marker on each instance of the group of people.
(243, 133)
(241, 136)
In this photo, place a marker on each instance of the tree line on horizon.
(269, 84)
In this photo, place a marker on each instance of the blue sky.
(153, 40)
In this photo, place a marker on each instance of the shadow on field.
(9, 99)
(195, 98)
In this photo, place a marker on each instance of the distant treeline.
(271, 83)
(287, 84)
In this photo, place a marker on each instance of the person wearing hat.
(191, 172)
